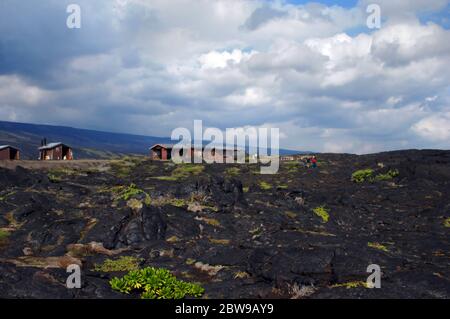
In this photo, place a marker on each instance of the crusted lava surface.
(238, 233)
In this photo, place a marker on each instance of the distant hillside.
(87, 144)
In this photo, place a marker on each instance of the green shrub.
(362, 175)
(447, 222)
(127, 192)
(351, 284)
(155, 283)
(124, 263)
(182, 171)
(3, 234)
(378, 246)
(368, 175)
(233, 171)
(388, 176)
(265, 185)
(322, 212)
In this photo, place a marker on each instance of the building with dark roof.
(8, 152)
(55, 151)
(218, 154)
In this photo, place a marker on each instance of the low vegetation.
(127, 192)
(322, 212)
(265, 186)
(57, 174)
(182, 171)
(155, 283)
(233, 171)
(3, 235)
(368, 175)
(447, 222)
(292, 166)
(123, 168)
(123, 263)
(378, 246)
(351, 284)
(4, 197)
(362, 175)
(387, 176)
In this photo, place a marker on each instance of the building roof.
(163, 145)
(50, 146)
(218, 147)
(2, 147)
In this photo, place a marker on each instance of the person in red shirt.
(314, 162)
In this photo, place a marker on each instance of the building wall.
(4, 154)
(164, 154)
(7, 153)
(154, 153)
(55, 154)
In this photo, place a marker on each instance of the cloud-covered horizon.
(313, 70)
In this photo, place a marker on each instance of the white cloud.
(434, 128)
(13, 91)
(215, 59)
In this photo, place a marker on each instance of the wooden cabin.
(161, 152)
(9, 153)
(164, 152)
(55, 151)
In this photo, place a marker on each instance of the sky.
(312, 69)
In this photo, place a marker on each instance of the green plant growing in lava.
(322, 212)
(388, 176)
(156, 283)
(362, 175)
(3, 234)
(265, 185)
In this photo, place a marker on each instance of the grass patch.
(166, 178)
(220, 241)
(124, 263)
(447, 222)
(387, 176)
(265, 186)
(362, 175)
(368, 175)
(322, 212)
(233, 171)
(3, 235)
(282, 186)
(123, 168)
(351, 284)
(168, 200)
(378, 246)
(156, 283)
(58, 174)
(293, 166)
(183, 171)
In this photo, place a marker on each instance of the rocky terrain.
(301, 233)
